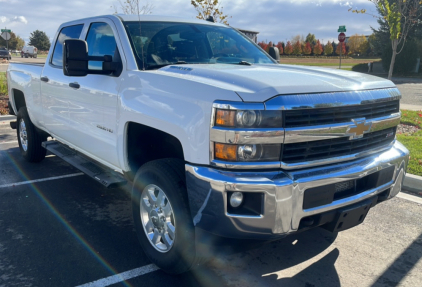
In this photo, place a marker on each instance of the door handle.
(74, 85)
(44, 79)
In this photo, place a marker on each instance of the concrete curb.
(413, 183)
(7, 118)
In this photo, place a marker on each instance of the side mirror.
(75, 58)
(274, 53)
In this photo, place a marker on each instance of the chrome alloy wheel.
(23, 136)
(157, 218)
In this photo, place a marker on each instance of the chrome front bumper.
(283, 193)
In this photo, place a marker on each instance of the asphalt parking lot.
(60, 228)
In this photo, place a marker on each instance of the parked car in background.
(5, 54)
(29, 51)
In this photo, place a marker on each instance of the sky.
(275, 20)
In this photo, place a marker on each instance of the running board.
(97, 171)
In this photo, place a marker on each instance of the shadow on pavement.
(404, 263)
(273, 257)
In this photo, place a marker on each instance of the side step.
(97, 171)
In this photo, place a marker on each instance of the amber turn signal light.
(226, 152)
(225, 118)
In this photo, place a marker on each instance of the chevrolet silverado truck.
(214, 134)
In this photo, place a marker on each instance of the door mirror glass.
(75, 58)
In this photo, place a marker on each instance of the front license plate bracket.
(350, 216)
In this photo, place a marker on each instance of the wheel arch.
(18, 99)
(144, 144)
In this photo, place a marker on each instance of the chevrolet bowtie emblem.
(359, 128)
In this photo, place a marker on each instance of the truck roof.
(149, 18)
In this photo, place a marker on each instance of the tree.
(400, 16)
(364, 48)
(299, 38)
(307, 50)
(341, 46)
(318, 48)
(206, 8)
(15, 42)
(328, 49)
(372, 39)
(288, 50)
(310, 38)
(133, 7)
(355, 42)
(280, 48)
(297, 48)
(263, 45)
(39, 40)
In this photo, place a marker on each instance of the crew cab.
(213, 134)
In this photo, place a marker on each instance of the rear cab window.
(70, 32)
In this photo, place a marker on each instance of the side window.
(71, 32)
(101, 42)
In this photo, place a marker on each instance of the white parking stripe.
(122, 276)
(8, 142)
(40, 180)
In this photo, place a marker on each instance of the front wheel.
(29, 138)
(162, 217)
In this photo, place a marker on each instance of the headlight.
(248, 118)
(247, 152)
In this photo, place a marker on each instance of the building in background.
(250, 34)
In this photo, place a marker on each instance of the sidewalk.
(410, 107)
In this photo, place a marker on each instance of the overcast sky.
(275, 20)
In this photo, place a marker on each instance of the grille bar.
(315, 150)
(321, 116)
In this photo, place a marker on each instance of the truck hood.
(258, 83)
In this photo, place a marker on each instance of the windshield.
(164, 43)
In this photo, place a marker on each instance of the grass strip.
(413, 142)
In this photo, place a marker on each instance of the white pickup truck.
(214, 134)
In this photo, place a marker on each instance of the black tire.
(33, 152)
(169, 176)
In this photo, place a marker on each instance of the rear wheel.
(29, 138)
(162, 217)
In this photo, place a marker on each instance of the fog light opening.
(236, 199)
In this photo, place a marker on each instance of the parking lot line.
(8, 142)
(40, 180)
(122, 276)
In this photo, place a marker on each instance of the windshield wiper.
(244, 63)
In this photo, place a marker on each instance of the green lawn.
(413, 142)
(3, 84)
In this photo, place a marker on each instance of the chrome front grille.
(325, 149)
(342, 114)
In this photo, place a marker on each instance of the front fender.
(176, 106)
